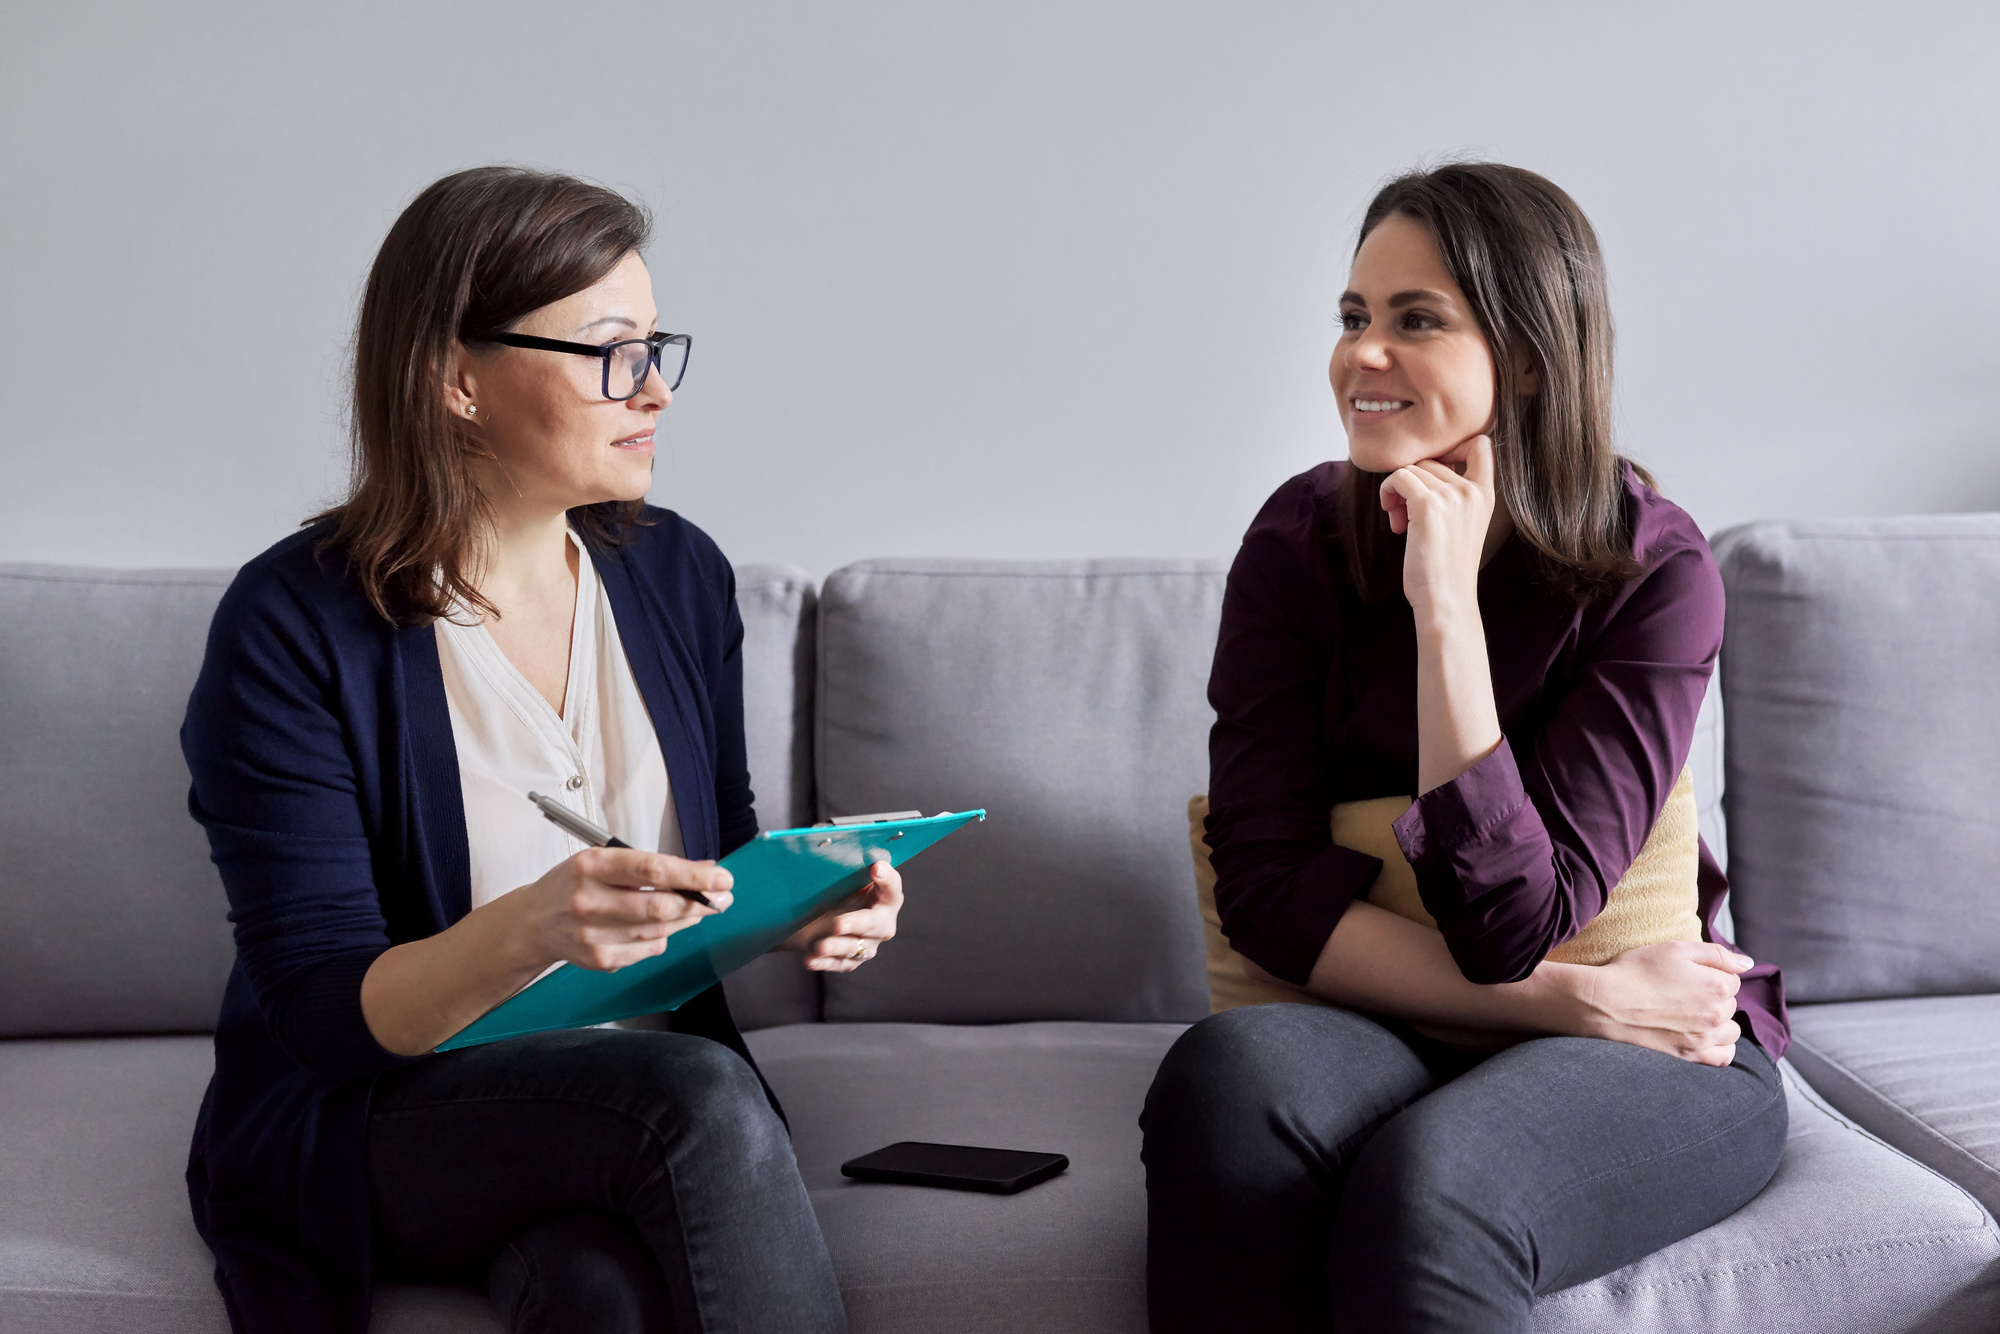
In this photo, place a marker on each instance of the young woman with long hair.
(1456, 687)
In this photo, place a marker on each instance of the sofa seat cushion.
(1923, 1073)
(95, 1232)
(1850, 1235)
(1069, 1254)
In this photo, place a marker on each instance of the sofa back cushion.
(779, 619)
(111, 916)
(1863, 751)
(1070, 700)
(779, 608)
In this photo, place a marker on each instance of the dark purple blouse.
(1315, 695)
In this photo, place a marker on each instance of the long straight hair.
(472, 254)
(1528, 262)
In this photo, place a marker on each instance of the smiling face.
(556, 442)
(1413, 372)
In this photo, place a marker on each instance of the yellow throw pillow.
(1655, 900)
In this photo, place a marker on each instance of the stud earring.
(471, 409)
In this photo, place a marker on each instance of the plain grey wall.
(1043, 278)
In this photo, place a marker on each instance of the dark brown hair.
(1528, 262)
(471, 255)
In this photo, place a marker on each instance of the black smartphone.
(955, 1167)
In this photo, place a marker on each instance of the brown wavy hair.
(1529, 264)
(471, 255)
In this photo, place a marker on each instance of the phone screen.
(955, 1166)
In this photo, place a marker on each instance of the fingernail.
(719, 879)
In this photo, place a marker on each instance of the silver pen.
(567, 820)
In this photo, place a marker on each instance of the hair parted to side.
(472, 254)
(1528, 262)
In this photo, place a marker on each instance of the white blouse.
(599, 756)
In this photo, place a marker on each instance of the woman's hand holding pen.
(597, 909)
(848, 937)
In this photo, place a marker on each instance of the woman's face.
(1413, 372)
(555, 440)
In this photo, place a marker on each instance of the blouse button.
(575, 782)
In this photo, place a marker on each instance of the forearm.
(1457, 722)
(418, 994)
(1386, 964)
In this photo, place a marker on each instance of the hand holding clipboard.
(783, 880)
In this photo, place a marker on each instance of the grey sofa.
(1050, 956)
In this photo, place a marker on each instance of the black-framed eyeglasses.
(627, 362)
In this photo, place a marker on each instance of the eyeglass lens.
(626, 369)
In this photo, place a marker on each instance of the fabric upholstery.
(94, 1226)
(778, 604)
(1069, 1254)
(1862, 745)
(111, 917)
(95, 668)
(95, 1233)
(1850, 1236)
(1068, 699)
(1922, 1073)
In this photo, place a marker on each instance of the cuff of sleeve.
(1762, 1007)
(1287, 929)
(324, 1027)
(1470, 806)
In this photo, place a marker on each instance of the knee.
(699, 1091)
(1223, 1090)
(1203, 1076)
(1419, 1177)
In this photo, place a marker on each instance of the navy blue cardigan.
(324, 771)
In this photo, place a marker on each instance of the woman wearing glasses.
(493, 610)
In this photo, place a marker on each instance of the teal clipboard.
(784, 879)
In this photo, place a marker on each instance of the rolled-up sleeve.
(1518, 853)
(1281, 882)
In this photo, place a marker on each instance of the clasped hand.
(1678, 997)
(1445, 504)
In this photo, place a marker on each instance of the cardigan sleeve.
(275, 788)
(1518, 853)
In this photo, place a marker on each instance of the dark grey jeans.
(1316, 1169)
(598, 1179)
